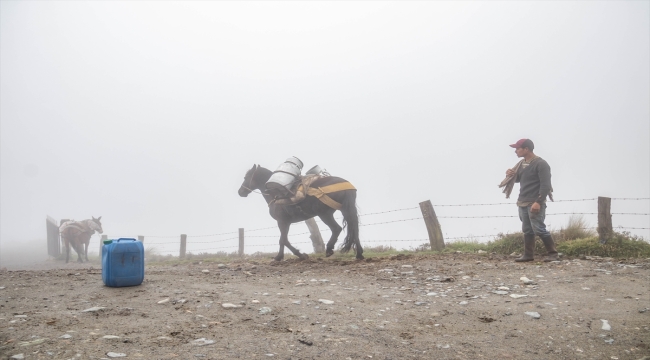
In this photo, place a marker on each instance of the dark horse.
(310, 207)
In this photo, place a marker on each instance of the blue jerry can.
(122, 262)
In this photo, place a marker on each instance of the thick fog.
(150, 113)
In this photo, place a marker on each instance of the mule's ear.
(99, 218)
(92, 217)
(254, 166)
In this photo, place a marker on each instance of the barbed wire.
(226, 233)
(479, 217)
(414, 208)
(214, 241)
(633, 228)
(393, 221)
(189, 236)
(389, 211)
(507, 203)
(266, 228)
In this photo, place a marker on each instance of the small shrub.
(577, 228)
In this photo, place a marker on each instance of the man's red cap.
(522, 143)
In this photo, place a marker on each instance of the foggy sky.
(150, 113)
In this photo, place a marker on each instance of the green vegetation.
(574, 240)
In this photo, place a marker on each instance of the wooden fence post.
(141, 238)
(101, 245)
(433, 226)
(605, 229)
(183, 246)
(241, 241)
(315, 236)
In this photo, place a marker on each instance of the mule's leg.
(86, 243)
(329, 220)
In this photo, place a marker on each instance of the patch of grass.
(575, 239)
(469, 246)
(622, 245)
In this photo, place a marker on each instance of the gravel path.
(405, 307)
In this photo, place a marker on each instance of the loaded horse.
(318, 196)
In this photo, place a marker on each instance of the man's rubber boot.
(529, 249)
(550, 249)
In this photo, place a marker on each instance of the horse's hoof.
(329, 253)
(360, 257)
(303, 256)
(278, 258)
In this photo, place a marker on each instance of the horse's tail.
(351, 221)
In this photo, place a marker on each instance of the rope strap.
(321, 193)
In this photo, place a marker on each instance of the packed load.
(287, 185)
(284, 178)
(77, 225)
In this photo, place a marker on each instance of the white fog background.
(149, 113)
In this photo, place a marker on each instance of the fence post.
(183, 246)
(241, 241)
(315, 236)
(605, 229)
(141, 238)
(101, 245)
(433, 226)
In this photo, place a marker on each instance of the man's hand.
(510, 172)
(535, 208)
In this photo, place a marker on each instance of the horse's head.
(250, 182)
(255, 179)
(96, 225)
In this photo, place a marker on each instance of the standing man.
(534, 177)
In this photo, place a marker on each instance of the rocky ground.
(452, 306)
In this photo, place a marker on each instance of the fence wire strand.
(388, 222)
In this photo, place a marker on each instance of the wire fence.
(197, 243)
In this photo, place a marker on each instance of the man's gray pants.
(533, 223)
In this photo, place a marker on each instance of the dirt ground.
(400, 307)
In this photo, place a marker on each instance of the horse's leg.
(284, 233)
(79, 248)
(86, 243)
(284, 241)
(329, 220)
(294, 250)
(67, 249)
